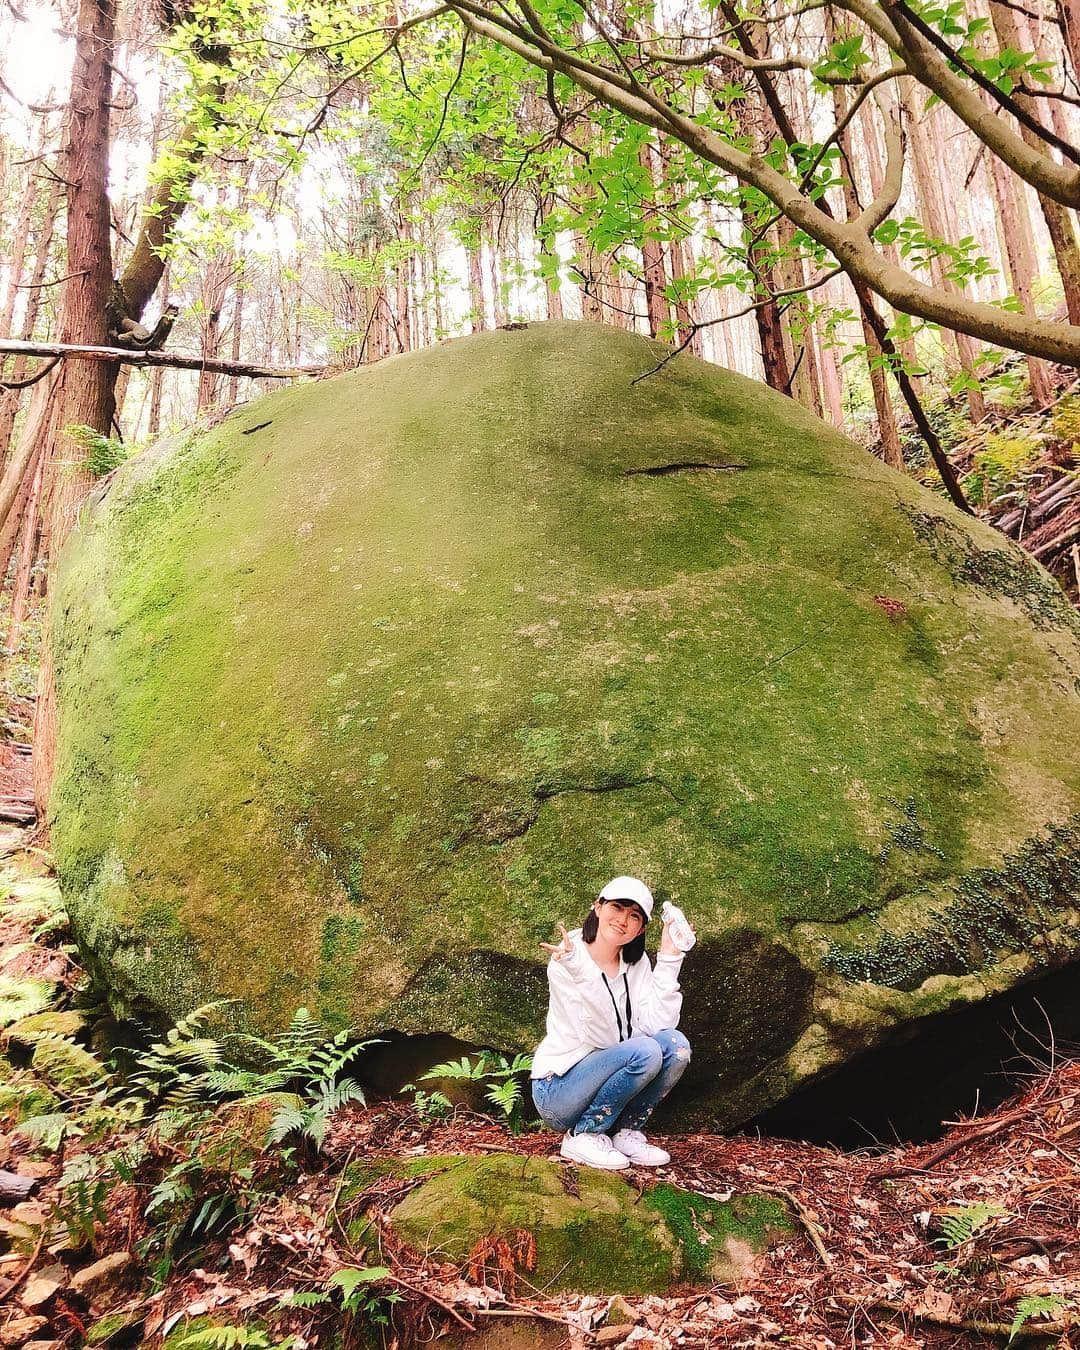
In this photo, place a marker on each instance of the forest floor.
(970, 1240)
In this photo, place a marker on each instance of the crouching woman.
(611, 1052)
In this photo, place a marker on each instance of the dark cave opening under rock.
(962, 1063)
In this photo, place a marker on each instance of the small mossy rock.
(24, 1096)
(363, 690)
(237, 1134)
(104, 1281)
(596, 1236)
(117, 1328)
(29, 1030)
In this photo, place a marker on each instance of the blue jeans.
(613, 1089)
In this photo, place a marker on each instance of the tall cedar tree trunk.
(758, 123)
(477, 318)
(930, 155)
(1069, 21)
(876, 170)
(84, 389)
(1015, 234)
(498, 292)
(1059, 220)
(20, 591)
(681, 264)
(888, 431)
(550, 259)
(862, 290)
(652, 250)
(9, 398)
(236, 324)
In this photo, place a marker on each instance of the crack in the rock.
(782, 656)
(660, 470)
(548, 791)
(543, 794)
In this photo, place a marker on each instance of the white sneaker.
(594, 1150)
(633, 1145)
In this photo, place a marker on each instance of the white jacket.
(588, 1012)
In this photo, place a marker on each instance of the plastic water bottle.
(679, 929)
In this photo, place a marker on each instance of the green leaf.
(349, 1278)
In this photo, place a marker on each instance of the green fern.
(429, 1106)
(305, 1298)
(962, 1225)
(236, 1338)
(47, 1132)
(21, 997)
(1036, 1305)
(176, 1073)
(36, 903)
(68, 1066)
(503, 1076)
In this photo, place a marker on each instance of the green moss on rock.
(365, 688)
(592, 1234)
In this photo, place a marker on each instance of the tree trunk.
(876, 171)
(888, 432)
(1058, 218)
(477, 316)
(1015, 232)
(20, 590)
(657, 306)
(232, 388)
(9, 398)
(84, 389)
(550, 261)
(930, 158)
(498, 295)
(9, 535)
(1069, 22)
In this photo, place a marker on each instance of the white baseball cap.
(631, 890)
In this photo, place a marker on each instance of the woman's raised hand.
(564, 948)
(667, 946)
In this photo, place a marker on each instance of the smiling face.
(620, 921)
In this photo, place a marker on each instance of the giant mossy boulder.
(366, 687)
(578, 1229)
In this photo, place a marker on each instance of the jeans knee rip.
(683, 1053)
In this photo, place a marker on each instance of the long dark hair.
(632, 952)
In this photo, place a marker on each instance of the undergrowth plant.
(236, 1338)
(503, 1078)
(173, 1089)
(965, 1223)
(1035, 1305)
(429, 1106)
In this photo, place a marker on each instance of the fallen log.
(18, 810)
(1067, 535)
(169, 359)
(1044, 501)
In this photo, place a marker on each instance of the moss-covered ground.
(365, 688)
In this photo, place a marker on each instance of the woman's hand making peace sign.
(564, 948)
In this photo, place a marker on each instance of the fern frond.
(67, 1065)
(962, 1225)
(286, 1119)
(1035, 1305)
(21, 997)
(47, 1132)
(455, 1068)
